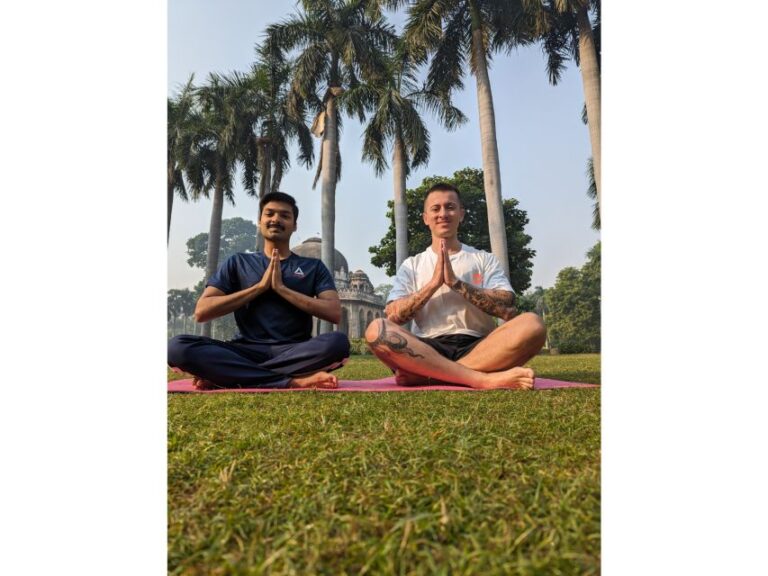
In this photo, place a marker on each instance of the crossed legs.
(496, 362)
(234, 364)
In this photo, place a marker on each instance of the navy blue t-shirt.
(269, 319)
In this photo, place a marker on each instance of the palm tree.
(569, 34)
(472, 31)
(283, 121)
(395, 102)
(592, 193)
(222, 136)
(339, 43)
(179, 110)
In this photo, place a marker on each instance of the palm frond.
(374, 143)
(310, 68)
(424, 28)
(448, 63)
(415, 136)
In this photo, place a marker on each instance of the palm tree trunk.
(490, 151)
(328, 202)
(401, 208)
(590, 76)
(170, 205)
(265, 180)
(214, 237)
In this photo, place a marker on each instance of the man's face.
(443, 213)
(277, 222)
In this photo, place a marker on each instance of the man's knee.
(338, 345)
(178, 351)
(534, 327)
(374, 329)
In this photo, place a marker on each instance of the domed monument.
(310, 248)
(359, 303)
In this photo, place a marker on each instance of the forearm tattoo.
(393, 342)
(403, 310)
(499, 303)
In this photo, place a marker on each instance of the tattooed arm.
(499, 303)
(404, 309)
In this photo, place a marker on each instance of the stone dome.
(359, 280)
(310, 248)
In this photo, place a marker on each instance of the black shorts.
(453, 346)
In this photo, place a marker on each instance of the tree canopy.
(573, 305)
(473, 231)
(237, 235)
(180, 303)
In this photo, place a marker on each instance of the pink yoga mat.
(382, 385)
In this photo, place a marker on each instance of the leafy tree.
(224, 327)
(181, 304)
(339, 43)
(461, 36)
(473, 231)
(383, 290)
(532, 301)
(573, 320)
(535, 301)
(237, 235)
(569, 34)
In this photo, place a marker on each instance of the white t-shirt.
(447, 311)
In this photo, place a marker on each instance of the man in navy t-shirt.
(274, 295)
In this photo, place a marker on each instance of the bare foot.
(316, 380)
(403, 378)
(517, 378)
(201, 384)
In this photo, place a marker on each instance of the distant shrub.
(358, 347)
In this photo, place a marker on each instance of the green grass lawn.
(498, 482)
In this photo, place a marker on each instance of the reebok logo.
(298, 272)
(477, 279)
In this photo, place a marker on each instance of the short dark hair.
(444, 187)
(279, 197)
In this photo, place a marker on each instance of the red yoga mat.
(382, 385)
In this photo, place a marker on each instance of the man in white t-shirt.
(452, 292)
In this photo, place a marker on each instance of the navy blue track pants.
(242, 364)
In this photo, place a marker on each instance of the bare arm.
(499, 303)
(326, 306)
(214, 303)
(403, 309)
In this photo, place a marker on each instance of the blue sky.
(543, 147)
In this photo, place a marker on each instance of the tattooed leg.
(394, 342)
(402, 351)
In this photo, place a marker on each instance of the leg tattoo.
(394, 342)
